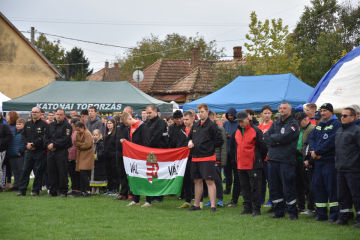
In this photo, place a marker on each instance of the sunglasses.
(344, 115)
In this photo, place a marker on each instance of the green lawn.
(100, 217)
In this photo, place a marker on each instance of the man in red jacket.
(247, 144)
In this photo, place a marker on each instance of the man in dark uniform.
(347, 164)
(281, 139)
(58, 139)
(35, 154)
(158, 134)
(175, 129)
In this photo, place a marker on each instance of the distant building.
(183, 80)
(23, 69)
(106, 74)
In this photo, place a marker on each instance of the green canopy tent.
(106, 96)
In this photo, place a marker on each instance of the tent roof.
(256, 91)
(106, 96)
(3, 98)
(340, 86)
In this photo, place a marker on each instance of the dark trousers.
(348, 185)
(74, 175)
(33, 161)
(137, 198)
(265, 181)
(17, 168)
(251, 181)
(57, 163)
(325, 189)
(112, 173)
(229, 179)
(301, 184)
(124, 183)
(311, 177)
(282, 185)
(188, 183)
(85, 180)
(218, 182)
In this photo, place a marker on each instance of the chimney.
(116, 65)
(238, 53)
(106, 65)
(195, 57)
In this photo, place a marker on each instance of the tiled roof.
(199, 80)
(105, 74)
(161, 75)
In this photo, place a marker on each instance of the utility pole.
(33, 36)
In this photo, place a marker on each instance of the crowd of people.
(309, 161)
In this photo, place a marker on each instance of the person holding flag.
(138, 134)
(204, 137)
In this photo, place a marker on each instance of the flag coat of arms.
(154, 171)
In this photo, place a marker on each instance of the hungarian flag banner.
(154, 171)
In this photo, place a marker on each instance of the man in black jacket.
(204, 137)
(35, 154)
(58, 139)
(282, 139)
(175, 129)
(158, 134)
(122, 132)
(347, 164)
(5, 138)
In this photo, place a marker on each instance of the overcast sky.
(123, 23)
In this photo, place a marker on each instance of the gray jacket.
(92, 125)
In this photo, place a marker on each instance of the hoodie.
(230, 126)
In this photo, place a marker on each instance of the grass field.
(100, 217)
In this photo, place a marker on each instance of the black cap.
(157, 109)
(241, 115)
(327, 106)
(317, 115)
(299, 116)
(177, 114)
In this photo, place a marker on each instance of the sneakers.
(246, 211)
(208, 204)
(268, 204)
(306, 212)
(74, 194)
(113, 193)
(220, 203)
(130, 198)
(34, 194)
(146, 204)
(121, 197)
(48, 195)
(86, 194)
(255, 213)
(271, 210)
(291, 218)
(133, 204)
(62, 195)
(340, 222)
(185, 205)
(213, 209)
(20, 194)
(193, 208)
(231, 204)
(107, 192)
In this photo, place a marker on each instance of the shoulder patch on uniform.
(67, 131)
(194, 130)
(293, 128)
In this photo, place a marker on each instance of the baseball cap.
(241, 115)
(299, 116)
(317, 115)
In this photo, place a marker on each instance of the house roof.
(51, 66)
(199, 80)
(105, 74)
(162, 74)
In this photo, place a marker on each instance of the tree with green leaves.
(78, 65)
(150, 49)
(270, 47)
(325, 31)
(52, 50)
(226, 73)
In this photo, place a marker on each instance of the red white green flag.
(154, 171)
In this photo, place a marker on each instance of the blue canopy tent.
(340, 86)
(256, 91)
